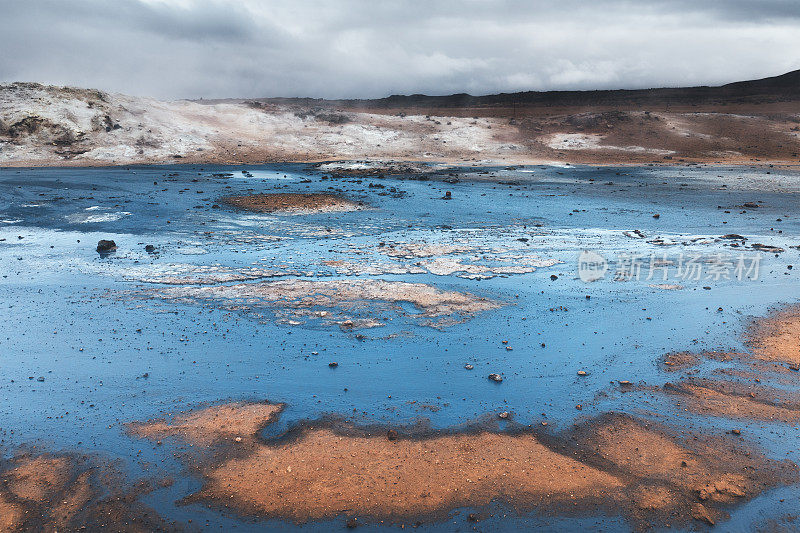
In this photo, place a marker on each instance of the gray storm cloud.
(349, 48)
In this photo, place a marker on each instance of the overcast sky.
(373, 48)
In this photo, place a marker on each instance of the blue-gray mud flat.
(373, 333)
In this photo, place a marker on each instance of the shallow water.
(109, 357)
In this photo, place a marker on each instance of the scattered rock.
(106, 246)
(699, 512)
(767, 248)
(634, 234)
(496, 377)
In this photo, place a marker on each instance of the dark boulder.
(106, 247)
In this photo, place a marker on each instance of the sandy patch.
(185, 274)
(759, 391)
(325, 470)
(205, 426)
(776, 338)
(680, 361)
(69, 493)
(732, 400)
(11, 514)
(293, 203)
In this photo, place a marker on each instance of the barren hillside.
(740, 123)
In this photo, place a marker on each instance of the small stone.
(106, 246)
(496, 377)
(582, 373)
(469, 367)
(333, 364)
(391, 434)
(504, 415)
(736, 432)
(699, 512)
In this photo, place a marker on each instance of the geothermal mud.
(548, 401)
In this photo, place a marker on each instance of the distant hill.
(777, 88)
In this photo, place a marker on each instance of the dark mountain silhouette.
(774, 89)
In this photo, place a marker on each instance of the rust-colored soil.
(615, 463)
(293, 203)
(680, 361)
(751, 402)
(68, 493)
(765, 389)
(777, 337)
(221, 422)
(326, 474)
(678, 475)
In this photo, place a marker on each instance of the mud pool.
(469, 266)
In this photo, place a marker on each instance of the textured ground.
(44, 125)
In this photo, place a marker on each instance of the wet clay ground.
(434, 358)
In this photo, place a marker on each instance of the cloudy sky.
(371, 48)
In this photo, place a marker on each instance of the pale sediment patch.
(371, 268)
(95, 218)
(520, 264)
(472, 254)
(379, 166)
(336, 301)
(186, 274)
(411, 250)
(593, 141)
(667, 286)
(328, 469)
(293, 203)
